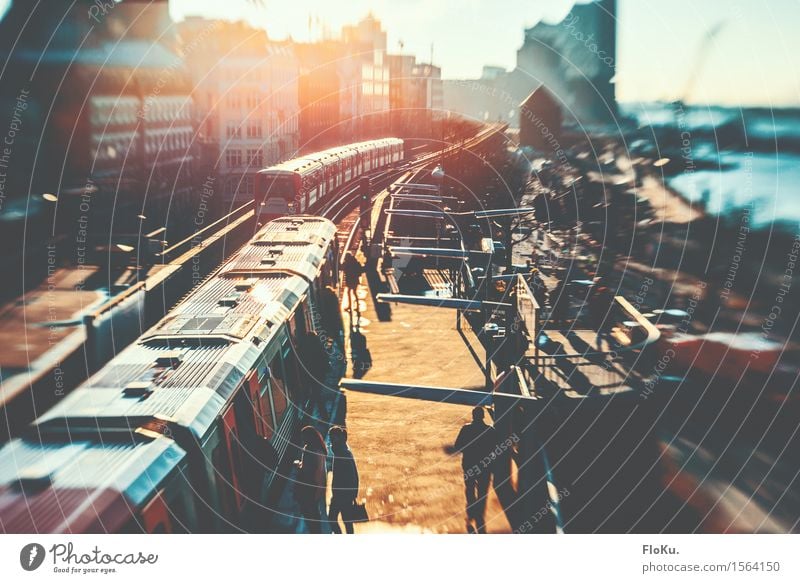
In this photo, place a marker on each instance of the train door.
(311, 189)
(258, 388)
(279, 392)
(258, 457)
(227, 460)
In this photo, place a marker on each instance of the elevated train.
(296, 186)
(184, 430)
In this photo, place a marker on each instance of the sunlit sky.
(754, 60)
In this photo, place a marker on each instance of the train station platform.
(410, 480)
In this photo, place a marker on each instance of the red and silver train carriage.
(186, 429)
(296, 186)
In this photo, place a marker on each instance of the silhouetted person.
(352, 276)
(312, 479)
(476, 441)
(360, 354)
(345, 481)
(331, 315)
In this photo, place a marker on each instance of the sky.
(754, 60)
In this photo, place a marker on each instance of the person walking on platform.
(312, 479)
(476, 442)
(345, 481)
(352, 276)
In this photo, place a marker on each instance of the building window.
(253, 129)
(234, 131)
(233, 158)
(255, 158)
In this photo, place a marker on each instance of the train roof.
(305, 164)
(80, 486)
(185, 368)
(311, 162)
(289, 245)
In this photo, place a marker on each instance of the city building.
(415, 96)
(104, 125)
(484, 99)
(428, 82)
(366, 78)
(320, 92)
(247, 93)
(575, 59)
(402, 94)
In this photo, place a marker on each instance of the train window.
(279, 186)
(300, 321)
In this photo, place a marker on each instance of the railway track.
(344, 210)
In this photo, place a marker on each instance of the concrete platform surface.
(410, 482)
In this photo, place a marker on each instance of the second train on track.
(296, 186)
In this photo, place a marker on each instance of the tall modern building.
(415, 91)
(428, 88)
(402, 94)
(574, 59)
(368, 77)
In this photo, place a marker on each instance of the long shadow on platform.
(376, 286)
